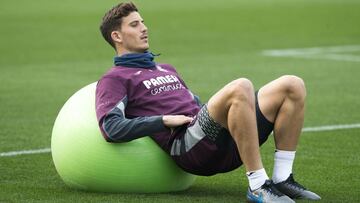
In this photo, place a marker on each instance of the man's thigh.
(220, 103)
(207, 148)
(218, 106)
(270, 98)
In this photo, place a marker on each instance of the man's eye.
(133, 24)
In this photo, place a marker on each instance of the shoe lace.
(292, 183)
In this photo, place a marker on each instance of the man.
(138, 97)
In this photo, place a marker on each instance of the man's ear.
(116, 36)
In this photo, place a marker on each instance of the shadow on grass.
(212, 190)
(196, 193)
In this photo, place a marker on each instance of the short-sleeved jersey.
(145, 94)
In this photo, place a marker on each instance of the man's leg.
(233, 107)
(282, 102)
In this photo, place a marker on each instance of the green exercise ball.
(84, 160)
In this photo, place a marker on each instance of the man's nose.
(144, 28)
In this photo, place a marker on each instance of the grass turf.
(49, 49)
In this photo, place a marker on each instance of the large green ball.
(84, 160)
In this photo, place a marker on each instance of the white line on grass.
(34, 151)
(339, 53)
(331, 127)
(308, 129)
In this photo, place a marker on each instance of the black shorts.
(206, 148)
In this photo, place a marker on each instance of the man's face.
(133, 34)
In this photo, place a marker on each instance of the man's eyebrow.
(141, 20)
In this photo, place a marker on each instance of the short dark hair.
(113, 18)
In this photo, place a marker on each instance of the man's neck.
(121, 52)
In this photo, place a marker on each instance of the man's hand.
(173, 121)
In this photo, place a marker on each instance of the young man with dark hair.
(138, 97)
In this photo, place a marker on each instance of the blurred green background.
(50, 49)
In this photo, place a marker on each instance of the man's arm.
(173, 121)
(117, 128)
(111, 101)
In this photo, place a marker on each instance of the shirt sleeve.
(111, 101)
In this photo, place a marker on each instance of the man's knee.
(241, 90)
(294, 87)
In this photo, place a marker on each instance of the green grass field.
(50, 49)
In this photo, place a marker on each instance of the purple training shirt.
(130, 103)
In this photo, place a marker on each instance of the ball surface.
(84, 160)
